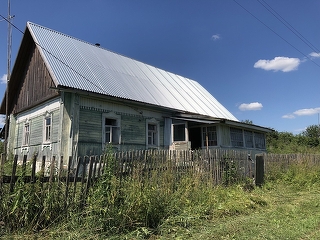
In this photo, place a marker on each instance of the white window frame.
(115, 129)
(47, 129)
(155, 134)
(26, 134)
(185, 132)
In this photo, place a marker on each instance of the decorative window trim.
(156, 133)
(117, 118)
(47, 129)
(46, 145)
(26, 134)
(25, 149)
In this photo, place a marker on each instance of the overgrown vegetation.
(162, 205)
(157, 205)
(284, 142)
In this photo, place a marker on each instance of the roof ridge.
(106, 49)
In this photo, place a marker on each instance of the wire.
(68, 66)
(288, 25)
(276, 33)
(4, 18)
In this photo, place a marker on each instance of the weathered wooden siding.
(90, 132)
(224, 135)
(133, 129)
(35, 83)
(35, 118)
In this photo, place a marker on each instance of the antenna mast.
(8, 77)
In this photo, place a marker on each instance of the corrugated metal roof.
(77, 64)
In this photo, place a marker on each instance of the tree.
(313, 131)
(247, 121)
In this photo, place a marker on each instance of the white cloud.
(284, 64)
(302, 112)
(289, 116)
(250, 106)
(307, 111)
(314, 54)
(3, 79)
(215, 37)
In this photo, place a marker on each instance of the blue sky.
(259, 58)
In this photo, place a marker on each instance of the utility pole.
(8, 78)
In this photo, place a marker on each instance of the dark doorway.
(195, 137)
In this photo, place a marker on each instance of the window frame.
(115, 129)
(26, 134)
(155, 133)
(235, 137)
(205, 133)
(185, 132)
(248, 137)
(47, 128)
(260, 140)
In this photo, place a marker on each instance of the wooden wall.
(35, 82)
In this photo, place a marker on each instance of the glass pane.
(151, 127)
(115, 135)
(110, 122)
(179, 133)
(48, 121)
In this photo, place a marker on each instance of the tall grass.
(142, 204)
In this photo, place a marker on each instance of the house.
(67, 97)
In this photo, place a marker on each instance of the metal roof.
(77, 64)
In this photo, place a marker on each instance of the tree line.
(285, 142)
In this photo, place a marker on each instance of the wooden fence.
(216, 165)
(281, 162)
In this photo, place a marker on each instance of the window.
(47, 128)
(179, 132)
(259, 140)
(248, 138)
(209, 133)
(26, 134)
(236, 137)
(152, 134)
(111, 131)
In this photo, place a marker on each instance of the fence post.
(259, 170)
(1, 170)
(89, 180)
(67, 183)
(13, 174)
(33, 169)
(52, 169)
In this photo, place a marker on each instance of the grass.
(287, 206)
